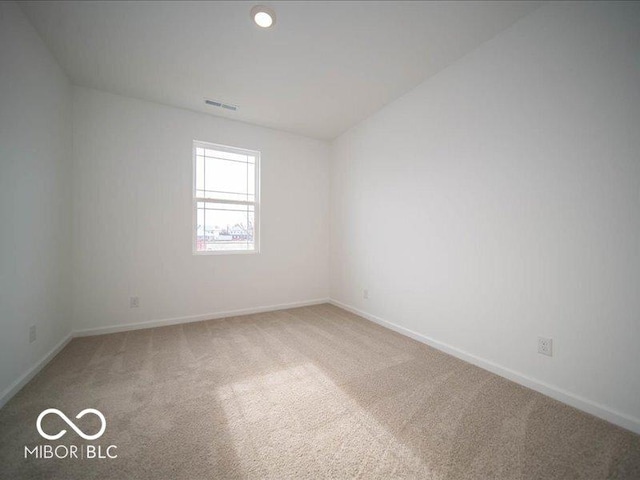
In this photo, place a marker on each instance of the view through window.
(225, 199)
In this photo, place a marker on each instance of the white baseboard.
(15, 387)
(596, 409)
(610, 415)
(194, 318)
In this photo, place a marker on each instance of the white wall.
(132, 216)
(500, 200)
(35, 209)
(495, 203)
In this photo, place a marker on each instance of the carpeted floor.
(312, 392)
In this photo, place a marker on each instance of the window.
(225, 199)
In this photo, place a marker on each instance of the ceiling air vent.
(215, 103)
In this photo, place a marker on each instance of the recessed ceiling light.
(263, 16)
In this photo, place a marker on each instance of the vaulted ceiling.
(323, 67)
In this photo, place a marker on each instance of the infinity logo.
(71, 424)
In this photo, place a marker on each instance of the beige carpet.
(312, 392)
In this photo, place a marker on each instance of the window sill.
(228, 252)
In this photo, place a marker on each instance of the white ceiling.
(322, 68)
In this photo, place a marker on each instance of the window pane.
(227, 174)
(238, 157)
(251, 182)
(228, 180)
(224, 227)
(199, 175)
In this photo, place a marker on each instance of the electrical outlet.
(365, 294)
(32, 333)
(134, 302)
(545, 346)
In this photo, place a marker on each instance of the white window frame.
(255, 204)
